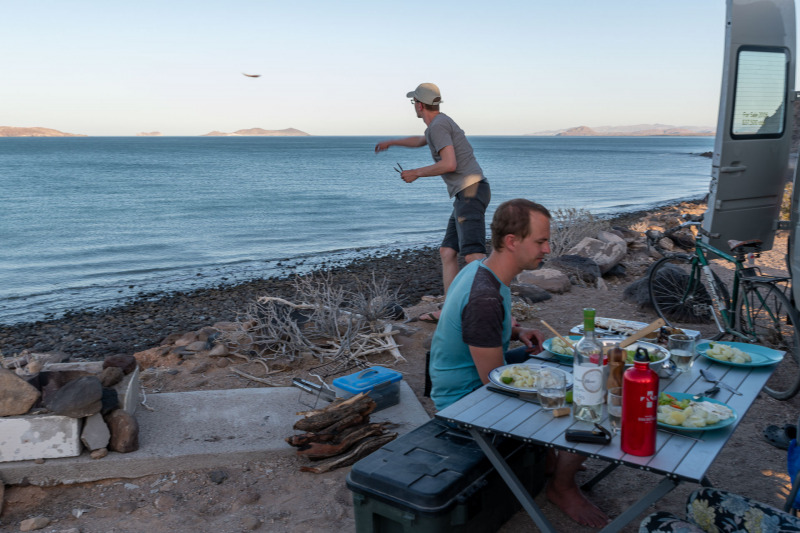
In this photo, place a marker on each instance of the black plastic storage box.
(437, 479)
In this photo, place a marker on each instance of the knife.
(526, 398)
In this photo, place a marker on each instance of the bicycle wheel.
(679, 293)
(766, 314)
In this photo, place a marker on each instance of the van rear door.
(751, 151)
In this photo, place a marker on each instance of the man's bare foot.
(575, 505)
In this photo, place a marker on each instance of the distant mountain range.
(638, 130)
(11, 131)
(288, 132)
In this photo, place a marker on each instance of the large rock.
(549, 279)
(79, 398)
(611, 237)
(124, 431)
(95, 434)
(124, 361)
(605, 254)
(17, 396)
(638, 292)
(530, 293)
(582, 268)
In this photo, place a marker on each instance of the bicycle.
(683, 288)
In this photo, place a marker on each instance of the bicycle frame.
(727, 310)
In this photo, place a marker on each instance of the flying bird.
(252, 75)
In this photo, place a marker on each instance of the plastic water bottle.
(639, 407)
(588, 389)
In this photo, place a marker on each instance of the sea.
(92, 222)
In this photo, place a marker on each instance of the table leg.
(660, 490)
(512, 481)
(600, 475)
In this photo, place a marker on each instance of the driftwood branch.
(364, 448)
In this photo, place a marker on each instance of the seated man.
(476, 327)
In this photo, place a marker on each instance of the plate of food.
(739, 353)
(680, 411)
(658, 354)
(522, 377)
(559, 349)
(616, 327)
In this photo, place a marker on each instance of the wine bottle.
(588, 388)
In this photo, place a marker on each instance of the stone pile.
(586, 263)
(615, 252)
(50, 408)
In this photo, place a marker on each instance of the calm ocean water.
(90, 222)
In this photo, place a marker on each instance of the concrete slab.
(202, 429)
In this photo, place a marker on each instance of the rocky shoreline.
(144, 322)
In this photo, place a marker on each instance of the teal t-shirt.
(476, 312)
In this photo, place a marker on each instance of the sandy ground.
(276, 496)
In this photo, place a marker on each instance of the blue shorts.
(466, 229)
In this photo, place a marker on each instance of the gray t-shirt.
(442, 132)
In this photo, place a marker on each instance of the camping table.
(678, 458)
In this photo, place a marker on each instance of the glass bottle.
(588, 387)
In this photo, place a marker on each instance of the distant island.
(638, 130)
(11, 131)
(149, 134)
(288, 132)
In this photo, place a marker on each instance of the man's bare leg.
(563, 491)
(449, 266)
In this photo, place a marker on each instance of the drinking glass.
(551, 385)
(614, 403)
(681, 350)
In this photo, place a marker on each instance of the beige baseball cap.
(427, 93)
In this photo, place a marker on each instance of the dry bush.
(570, 225)
(329, 323)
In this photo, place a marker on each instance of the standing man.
(455, 162)
(476, 327)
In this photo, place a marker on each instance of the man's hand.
(409, 176)
(531, 338)
(382, 146)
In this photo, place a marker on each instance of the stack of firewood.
(339, 435)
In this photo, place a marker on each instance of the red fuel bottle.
(639, 407)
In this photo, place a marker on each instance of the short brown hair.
(513, 218)
(429, 107)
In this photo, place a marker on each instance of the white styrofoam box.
(39, 437)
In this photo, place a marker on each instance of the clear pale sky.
(343, 68)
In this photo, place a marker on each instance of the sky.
(343, 68)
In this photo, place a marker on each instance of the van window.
(759, 108)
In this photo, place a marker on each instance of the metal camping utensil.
(711, 378)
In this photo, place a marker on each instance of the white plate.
(721, 424)
(494, 376)
(760, 355)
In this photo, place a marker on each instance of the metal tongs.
(312, 388)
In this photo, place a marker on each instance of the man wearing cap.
(455, 162)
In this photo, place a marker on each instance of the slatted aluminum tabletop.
(679, 457)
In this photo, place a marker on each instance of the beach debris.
(339, 434)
